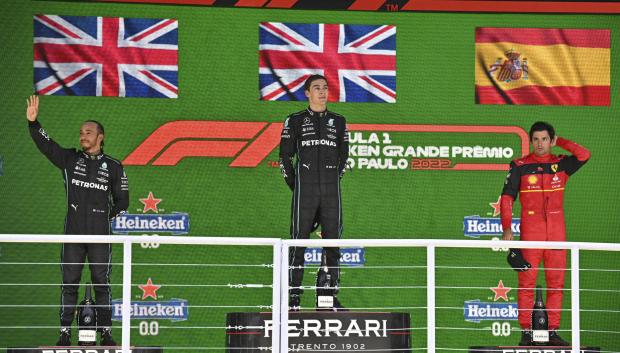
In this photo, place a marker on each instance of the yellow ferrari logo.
(554, 167)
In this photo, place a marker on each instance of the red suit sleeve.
(580, 156)
(510, 193)
(506, 202)
(577, 150)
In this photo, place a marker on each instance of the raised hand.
(32, 111)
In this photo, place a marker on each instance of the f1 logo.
(177, 140)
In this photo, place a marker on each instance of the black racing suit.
(320, 142)
(97, 191)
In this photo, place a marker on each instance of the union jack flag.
(103, 56)
(359, 61)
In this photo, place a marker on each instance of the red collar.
(541, 159)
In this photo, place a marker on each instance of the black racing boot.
(294, 302)
(106, 337)
(526, 338)
(338, 306)
(556, 340)
(65, 337)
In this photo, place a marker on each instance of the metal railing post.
(430, 298)
(275, 300)
(574, 291)
(284, 298)
(126, 321)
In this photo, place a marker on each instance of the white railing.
(281, 260)
(127, 242)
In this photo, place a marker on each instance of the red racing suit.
(541, 181)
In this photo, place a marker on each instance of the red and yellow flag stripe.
(564, 66)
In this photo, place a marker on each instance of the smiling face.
(90, 138)
(317, 93)
(541, 142)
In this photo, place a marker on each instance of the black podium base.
(82, 349)
(531, 349)
(321, 331)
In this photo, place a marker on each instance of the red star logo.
(496, 206)
(150, 203)
(149, 289)
(500, 291)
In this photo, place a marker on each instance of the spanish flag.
(542, 66)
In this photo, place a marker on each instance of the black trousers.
(73, 257)
(310, 202)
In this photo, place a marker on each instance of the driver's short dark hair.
(100, 129)
(311, 79)
(542, 126)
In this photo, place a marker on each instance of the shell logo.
(532, 179)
